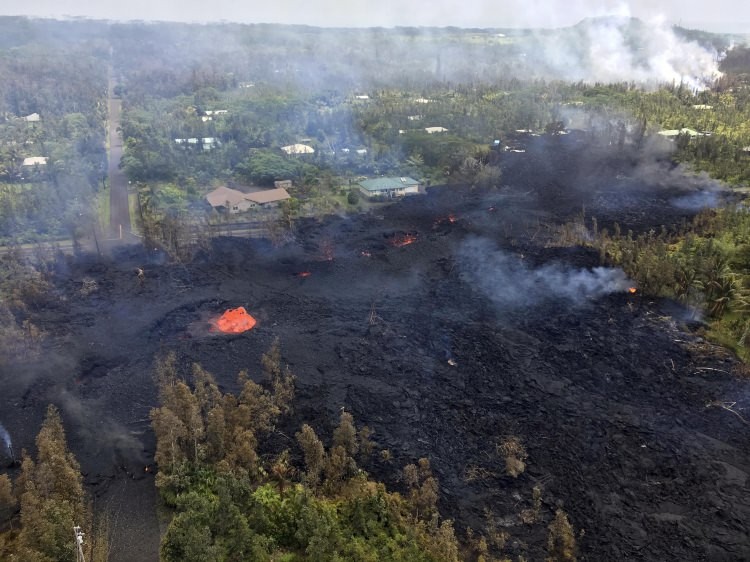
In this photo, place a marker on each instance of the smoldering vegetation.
(512, 284)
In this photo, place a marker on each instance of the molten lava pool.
(233, 321)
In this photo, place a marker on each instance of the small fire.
(450, 219)
(304, 274)
(401, 240)
(632, 290)
(233, 321)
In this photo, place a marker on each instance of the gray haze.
(511, 284)
(719, 15)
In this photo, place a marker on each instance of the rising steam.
(5, 436)
(624, 49)
(510, 283)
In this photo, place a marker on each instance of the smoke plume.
(5, 436)
(510, 283)
(623, 49)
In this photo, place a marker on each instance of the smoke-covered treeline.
(52, 110)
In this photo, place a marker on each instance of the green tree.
(52, 498)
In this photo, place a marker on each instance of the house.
(296, 149)
(673, 133)
(414, 117)
(283, 184)
(228, 199)
(35, 161)
(268, 197)
(207, 143)
(32, 118)
(362, 97)
(234, 201)
(389, 187)
(432, 130)
(422, 100)
(702, 106)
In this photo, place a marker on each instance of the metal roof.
(382, 184)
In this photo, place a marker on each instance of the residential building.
(234, 201)
(297, 149)
(35, 161)
(673, 133)
(389, 187)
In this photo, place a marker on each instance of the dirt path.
(119, 210)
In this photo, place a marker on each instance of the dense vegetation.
(50, 500)
(704, 265)
(232, 504)
(52, 105)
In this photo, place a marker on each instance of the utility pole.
(78, 537)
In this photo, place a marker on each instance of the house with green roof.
(389, 187)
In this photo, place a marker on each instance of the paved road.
(119, 210)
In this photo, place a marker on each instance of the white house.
(296, 149)
(673, 133)
(35, 161)
(432, 130)
(32, 118)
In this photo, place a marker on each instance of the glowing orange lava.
(632, 290)
(403, 240)
(233, 321)
(303, 274)
(450, 219)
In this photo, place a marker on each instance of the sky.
(715, 15)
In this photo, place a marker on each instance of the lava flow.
(233, 321)
(304, 274)
(450, 219)
(401, 240)
(632, 290)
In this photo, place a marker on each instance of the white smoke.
(5, 436)
(622, 49)
(510, 283)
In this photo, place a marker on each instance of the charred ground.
(617, 402)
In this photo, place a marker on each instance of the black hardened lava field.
(445, 322)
